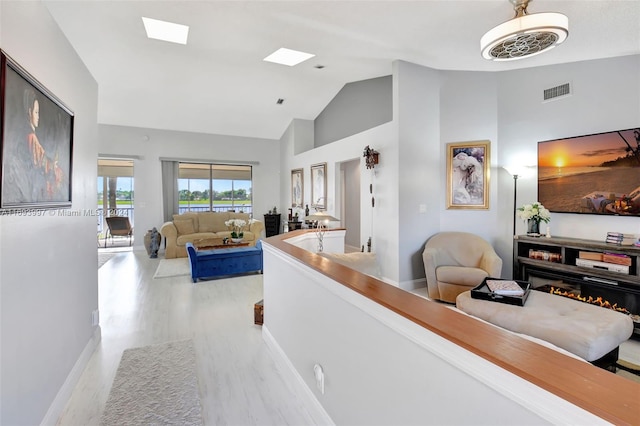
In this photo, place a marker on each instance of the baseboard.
(413, 284)
(316, 410)
(59, 402)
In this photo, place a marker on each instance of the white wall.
(419, 168)
(433, 108)
(48, 264)
(382, 369)
(606, 96)
(359, 105)
(149, 145)
(379, 222)
(469, 113)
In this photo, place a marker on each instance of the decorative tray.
(483, 292)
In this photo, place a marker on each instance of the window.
(214, 187)
(115, 190)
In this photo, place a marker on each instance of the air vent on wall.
(557, 92)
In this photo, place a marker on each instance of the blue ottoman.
(225, 261)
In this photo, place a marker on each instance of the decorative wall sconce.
(371, 156)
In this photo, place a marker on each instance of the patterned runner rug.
(155, 385)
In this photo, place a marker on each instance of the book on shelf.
(505, 287)
(617, 258)
(619, 234)
(590, 255)
(621, 239)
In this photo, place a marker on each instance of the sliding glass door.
(115, 191)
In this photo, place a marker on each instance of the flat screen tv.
(592, 174)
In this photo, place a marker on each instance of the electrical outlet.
(318, 373)
(95, 317)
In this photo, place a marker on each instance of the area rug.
(173, 268)
(155, 385)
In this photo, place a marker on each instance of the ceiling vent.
(557, 92)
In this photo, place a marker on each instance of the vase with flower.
(534, 214)
(237, 229)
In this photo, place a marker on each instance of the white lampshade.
(519, 170)
(525, 35)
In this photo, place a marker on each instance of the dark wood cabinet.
(272, 224)
(584, 269)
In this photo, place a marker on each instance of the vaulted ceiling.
(218, 82)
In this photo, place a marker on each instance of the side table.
(272, 224)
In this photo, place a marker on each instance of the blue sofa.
(220, 262)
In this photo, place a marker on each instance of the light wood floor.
(239, 382)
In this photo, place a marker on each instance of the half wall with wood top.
(391, 357)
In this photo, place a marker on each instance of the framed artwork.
(37, 142)
(319, 186)
(468, 166)
(297, 187)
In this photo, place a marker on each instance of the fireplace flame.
(592, 300)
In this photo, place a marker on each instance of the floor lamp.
(515, 172)
(515, 197)
(321, 219)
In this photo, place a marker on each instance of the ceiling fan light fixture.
(525, 35)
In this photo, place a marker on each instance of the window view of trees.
(117, 193)
(212, 187)
(236, 194)
(115, 190)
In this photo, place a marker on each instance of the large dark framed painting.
(594, 174)
(36, 132)
(468, 175)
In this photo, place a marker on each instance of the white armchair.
(455, 262)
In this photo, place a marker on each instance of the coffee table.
(216, 243)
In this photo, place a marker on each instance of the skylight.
(288, 57)
(166, 31)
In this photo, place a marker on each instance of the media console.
(554, 262)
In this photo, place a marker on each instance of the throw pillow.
(209, 222)
(184, 226)
(188, 215)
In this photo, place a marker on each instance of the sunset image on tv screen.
(598, 174)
